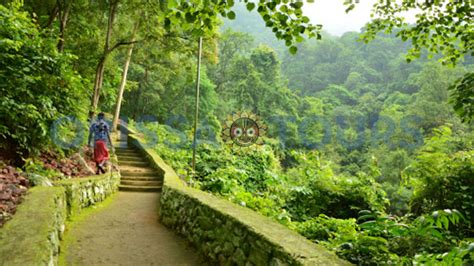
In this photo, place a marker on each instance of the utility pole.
(196, 111)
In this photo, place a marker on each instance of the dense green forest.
(367, 154)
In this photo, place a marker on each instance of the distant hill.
(252, 23)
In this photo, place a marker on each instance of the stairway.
(136, 174)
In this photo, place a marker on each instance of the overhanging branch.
(122, 43)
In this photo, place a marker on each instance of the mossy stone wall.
(84, 192)
(33, 236)
(226, 233)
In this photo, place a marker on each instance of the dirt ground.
(126, 232)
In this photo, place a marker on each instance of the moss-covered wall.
(84, 192)
(227, 233)
(33, 236)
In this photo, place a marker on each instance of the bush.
(317, 190)
(443, 178)
(324, 228)
(37, 83)
(377, 238)
(346, 238)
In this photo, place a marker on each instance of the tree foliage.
(442, 175)
(440, 27)
(38, 84)
(285, 18)
(463, 97)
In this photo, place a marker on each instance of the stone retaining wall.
(227, 233)
(33, 236)
(86, 191)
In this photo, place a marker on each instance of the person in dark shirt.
(100, 132)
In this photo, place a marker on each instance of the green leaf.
(436, 234)
(250, 6)
(167, 23)
(350, 7)
(172, 3)
(297, 5)
(231, 15)
(189, 17)
(271, 5)
(293, 49)
(366, 217)
(445, 221)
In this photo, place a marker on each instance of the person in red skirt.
(100, 132)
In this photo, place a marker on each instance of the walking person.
(100, 132)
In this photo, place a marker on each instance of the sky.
(331, 14)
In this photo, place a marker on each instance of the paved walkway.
(127, 232)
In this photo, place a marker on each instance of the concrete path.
(127, 232)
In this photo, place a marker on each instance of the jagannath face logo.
(243, 129)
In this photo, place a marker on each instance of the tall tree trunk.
(63, 18)
(52, 16)
(99, 75)
(139, 93)
(123, 82)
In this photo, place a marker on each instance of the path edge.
(33, 236)
(224, 232)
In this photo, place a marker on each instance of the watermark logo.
(243, 129)
(67, 132)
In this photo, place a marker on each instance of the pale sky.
(331, 14)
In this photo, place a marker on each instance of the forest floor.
(13, 187)
(126, 232)
(14, 183)
(79, 164)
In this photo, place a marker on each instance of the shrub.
(443, 178)
(317, 190)
(37, 83)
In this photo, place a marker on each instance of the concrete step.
(141, 178)
(132, 153)
(140, 188)
(137, 158)
(125, 149)
(140, 174)
(141, 183)
(133, 163)
(120, 145)
(136, 173)
(132, 168)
